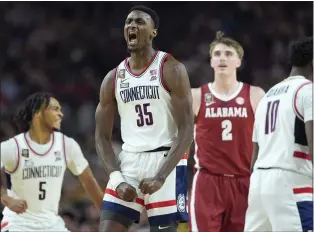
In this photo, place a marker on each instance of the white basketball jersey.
(279, 128)
(144, 106)
(38, 179)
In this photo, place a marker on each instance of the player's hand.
(17, 206)
(151, 185)
(126, 192)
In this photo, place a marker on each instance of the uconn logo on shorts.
(181, 203)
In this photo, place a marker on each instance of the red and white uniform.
(223, 148)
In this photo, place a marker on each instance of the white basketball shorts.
(165, 206)
(279, 200)
(15, 223)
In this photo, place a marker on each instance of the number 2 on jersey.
(42, 194)
(226, 134)
(144, 116)
(271, 116)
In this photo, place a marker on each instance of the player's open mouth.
(222, 66)
(132, 38)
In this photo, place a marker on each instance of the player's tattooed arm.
(104, 117)
(16, 205)
(254, 155)
(177, 81)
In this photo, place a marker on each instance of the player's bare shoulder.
(173, 72)
(256, 94)
(108, 83)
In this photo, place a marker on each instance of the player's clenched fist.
(126, 192)
(18, 206)
(151, 185)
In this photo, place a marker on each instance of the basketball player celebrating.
(281, 191)
(151, 91)
(35, 162)
(224, 114)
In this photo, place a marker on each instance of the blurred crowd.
(66, 48)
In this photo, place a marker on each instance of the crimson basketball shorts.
(166, 206)
(218, 203)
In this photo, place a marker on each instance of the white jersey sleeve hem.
(76, 161)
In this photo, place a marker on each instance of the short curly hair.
(301, 52)
(221, 39)
(148, 11)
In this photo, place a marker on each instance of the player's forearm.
(91, 186)
(106, 153)
(4, 197)
(178, 149)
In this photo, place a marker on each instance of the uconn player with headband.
(224, 118)
(151, 91)
(35, 162)
(281, 191)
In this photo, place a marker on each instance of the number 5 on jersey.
(42, 190)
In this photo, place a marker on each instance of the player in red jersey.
(224, 118)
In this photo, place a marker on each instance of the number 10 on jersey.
(271, 116)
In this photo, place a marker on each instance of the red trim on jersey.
(161, 204)
(18, 158)
(64, 153)
(115, 194)
(164, 59)
(303, 190)
(295, 100)
(302, 155)
(53, 141)
(115, 82)
(144, 70)
(4, 224)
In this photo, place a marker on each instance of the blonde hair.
(221, 39)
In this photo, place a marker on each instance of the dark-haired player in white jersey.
(152, 93)
(281, 187)
(35, 161)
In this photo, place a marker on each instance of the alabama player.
(35, 162)
(152, 93)
(281, 190)
(224, 114)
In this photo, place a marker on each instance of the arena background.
(67, 47)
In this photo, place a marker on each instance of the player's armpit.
(91, 186)
(309, 136)
(196, 96)
(254, 155)
(256, 94)
(104, 117)
(177, 81)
